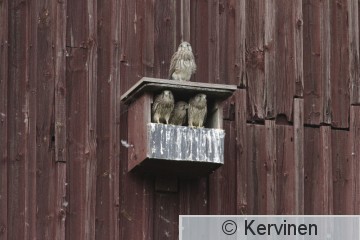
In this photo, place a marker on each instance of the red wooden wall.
(292, 127)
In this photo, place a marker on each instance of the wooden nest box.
(175, 150)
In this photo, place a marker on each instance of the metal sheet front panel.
(184, 143)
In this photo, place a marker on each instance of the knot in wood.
(299, 23)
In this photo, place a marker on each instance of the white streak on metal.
(161, 146)
(189, 141)
(168, 140)
(197, 140)
(208, 135)
(178, 144)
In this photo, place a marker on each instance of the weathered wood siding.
(292, 128)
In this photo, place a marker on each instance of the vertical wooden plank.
(285, 63)
(31, 119)
(166, 216)
(82, 170)
(59, 11)
(45, 20)
(325, 61)
(59, 36)
(185, 19)
(108, 105)
(354, 136)
(222, 187)
(334, 62)
(179, 18)
(193, 196)
(31, 116)
(18, 120)
(257, 60)
(130, 47)
(312, 62)
(241, 152)
(226, 42)
(81, 72)
(342, 170)
(193, 31)
(318, 171)
(200, 39)
(136, 208)
(297, 24)
(322, 175)
(139, 26)
(213, 42)
(353, 30)
(299, 155)
(257, 169)
(340, 78)
(270, 71)
(61, 203)
(232, 36)
(240, 44)
(165, 36)
(317, 62)
(149, 38)
(4, 45)
(286, 171)
(271, 167)
(116, 117)
(325, 201)
(311, 162)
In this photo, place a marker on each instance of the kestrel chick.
(178, 115)
(162, 107)
(182, 64)
(197, 110)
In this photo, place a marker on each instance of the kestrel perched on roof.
(197, 110)
(162, 107)
(182, 64)
(178, 115)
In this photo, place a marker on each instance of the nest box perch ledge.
(175, 150)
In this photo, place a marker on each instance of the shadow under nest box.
(164, 149)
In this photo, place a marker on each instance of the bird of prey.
(197, 110)
(162, 107)
(182, 64)
(178, 115)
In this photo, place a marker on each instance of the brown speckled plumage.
(197, 110)
(182, 64)
(178, 115)
(162, 107)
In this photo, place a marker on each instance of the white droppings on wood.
(164, 219)
(125, 143)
